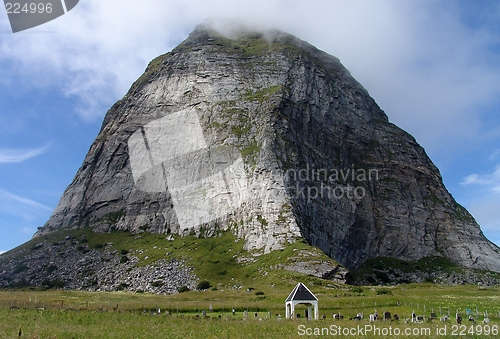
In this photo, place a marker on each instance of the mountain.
(266, 137)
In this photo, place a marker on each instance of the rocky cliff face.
(266, 136)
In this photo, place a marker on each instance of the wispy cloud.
(494, 155)
(20, 155)
(426, 67)
(487, 214)
(28, 230)
(492, 180)
(5, 195)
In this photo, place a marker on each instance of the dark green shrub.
(121, 287)
(356, 289)
(382, 276)
(51, 268)
(183, 289)
(36, 247)
(203, 285)
(429, 280)
(56, 283)
(20, 284)
(20, 268)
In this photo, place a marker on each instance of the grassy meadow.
(241, 280)
(74, 314)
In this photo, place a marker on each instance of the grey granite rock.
(67, 265)
(310, 154)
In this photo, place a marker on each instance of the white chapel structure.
(301, 295)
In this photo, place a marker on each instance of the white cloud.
(6, 196)
(483, 203)
(424, 66)
(493, 156)
(487, 214)
(28, 230)
(18, 155)
(20, 216)
(491, 181)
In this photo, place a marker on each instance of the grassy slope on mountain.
(221, 260)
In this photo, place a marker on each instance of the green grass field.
(73, 314)
(242, 281)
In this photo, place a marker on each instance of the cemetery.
(279, 311)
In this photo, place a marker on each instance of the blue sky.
(433, 66)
